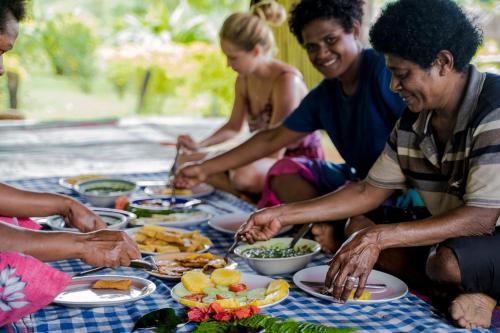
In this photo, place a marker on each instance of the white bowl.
(278, 266)
(104, 192)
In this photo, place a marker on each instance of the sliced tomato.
(237, 287)
(195, 297)
(217, 296)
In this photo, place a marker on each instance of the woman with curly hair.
(266, 91)
(353, 104)
(446, 146)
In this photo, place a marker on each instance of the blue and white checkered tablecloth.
(408, 314)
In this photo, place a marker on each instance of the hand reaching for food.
(190, 175)
(261, 225)
(82, 218)
(186, 142)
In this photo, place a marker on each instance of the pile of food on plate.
(151, 238)
(224, 287)
(277, 251)
(176, 267)
(178, 191)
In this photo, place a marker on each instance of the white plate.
(191, 218)
(395, 287)
(251, 280)
(70, 182)
(114, 218)
(80, 294)
(132, 231)
(197, 191)
(230, 223)
(172, 256)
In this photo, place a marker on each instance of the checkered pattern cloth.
(408, 314)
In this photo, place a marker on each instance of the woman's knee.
(442, 266)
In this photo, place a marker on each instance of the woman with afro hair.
(353, 104)
(447, 146)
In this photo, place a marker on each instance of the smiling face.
(241, 61)
(331, 49)
(420, 88)
(8, 37)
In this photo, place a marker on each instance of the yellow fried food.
(178, 191)
(112, 284)
(225, 277)
(192, 304)
(195, 282)
(153, 238)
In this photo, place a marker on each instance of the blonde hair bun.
(270, 11)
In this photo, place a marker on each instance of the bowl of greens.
(273, 257)
(104, 192)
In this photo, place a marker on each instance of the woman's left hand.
(351, 265)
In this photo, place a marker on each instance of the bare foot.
(472, 310)
(324, 234)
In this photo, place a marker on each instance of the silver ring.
(351, 278)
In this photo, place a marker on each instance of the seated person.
(266, 91)
(446, 146)
(26, 284)
(353, 104)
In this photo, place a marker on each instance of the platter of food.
(104, 290)
(157, 211)
(154, 240)
(174, 265)
(382, 287)
(70, 182)
(197, 191)
(229, 288)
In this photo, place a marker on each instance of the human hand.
(110, 248)
(82, 218)
(261, 225)
(352, 264)
(185, 141)
(190, 175)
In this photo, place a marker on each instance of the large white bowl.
(104, 192)
(278, 266)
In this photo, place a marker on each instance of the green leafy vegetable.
(270, 324)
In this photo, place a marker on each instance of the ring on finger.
(352, 279)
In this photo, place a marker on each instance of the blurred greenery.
(77, 59)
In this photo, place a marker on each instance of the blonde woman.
(266, 91)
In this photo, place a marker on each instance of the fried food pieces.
(151, 238)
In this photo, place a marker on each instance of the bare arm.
(354, 199)
(360, 252)
(260, 145)
(20, 203)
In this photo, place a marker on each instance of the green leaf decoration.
(163, 320)
(270, 324)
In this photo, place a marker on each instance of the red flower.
(223, 316)
(198, 314)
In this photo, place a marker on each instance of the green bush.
(70, 45)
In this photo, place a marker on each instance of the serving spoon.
(134, 263)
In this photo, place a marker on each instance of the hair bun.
(270, 11)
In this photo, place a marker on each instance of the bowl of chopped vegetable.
(104, 192)
(273, 257)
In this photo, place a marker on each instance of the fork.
(173, 170)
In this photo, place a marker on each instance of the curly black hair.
(16, 7)
(417, 30)
(306, 11)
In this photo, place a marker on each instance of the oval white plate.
(193, 218)
(172, 256)
(230, 223)
(197, 191)
(395, 287)
(80, 294)
(114, 218)
(251, 280)
(132, 231)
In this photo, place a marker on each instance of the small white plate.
(251, 280)
(132, 231)
(230, 223)
(395, 287)
(70, 182)
(114, 218)
(168, 257)
(197, 191)
(80, 294)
